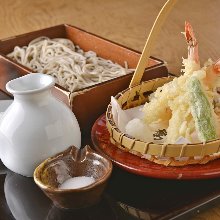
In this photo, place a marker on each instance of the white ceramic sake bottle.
(36, 125)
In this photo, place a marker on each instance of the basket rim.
(111, 121)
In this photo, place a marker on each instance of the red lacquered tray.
(134, 164)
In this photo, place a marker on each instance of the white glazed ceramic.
(36, 125)
(4, 104)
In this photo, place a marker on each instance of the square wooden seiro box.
(89, 103)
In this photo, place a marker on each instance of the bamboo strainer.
(137, 94)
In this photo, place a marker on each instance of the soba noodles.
(73, 68)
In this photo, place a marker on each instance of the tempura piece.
(140, 130)
(173, 103)
(202, 111)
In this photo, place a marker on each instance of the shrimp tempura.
(171, 104)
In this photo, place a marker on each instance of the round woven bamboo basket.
(166, 154)
(137, 94)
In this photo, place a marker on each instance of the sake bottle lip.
(30, 83)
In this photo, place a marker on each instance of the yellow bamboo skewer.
(143, 61)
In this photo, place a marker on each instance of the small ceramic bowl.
(72, 163)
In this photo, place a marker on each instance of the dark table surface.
(126, 197)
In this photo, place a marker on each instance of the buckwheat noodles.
(73, 68)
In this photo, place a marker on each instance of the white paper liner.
(123, 117)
